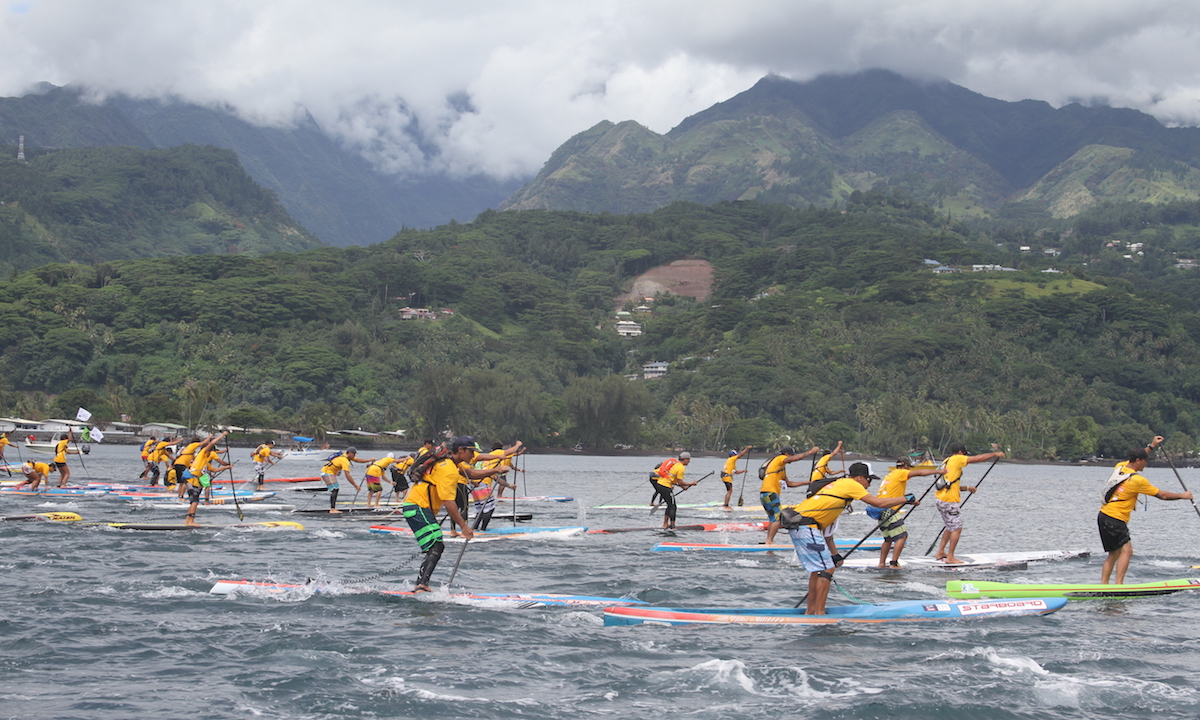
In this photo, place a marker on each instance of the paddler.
(949, 499)
(399, 473)
(264, 456)
(813, 537)
(160, 453)
(35, 474)
(340, 464)
(774, 476)
(198, 476)
(181, 463)
(463, 493)
(436, 491)
(373, 477)
(665, 477)
(891, 522)
(4, 442)
(821, 474)
(730, 470)
(146, 448)
(61, 450)
(482, 490)
(1120, 499)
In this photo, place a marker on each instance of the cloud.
(468, 86)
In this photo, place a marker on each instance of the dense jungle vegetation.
(824, 324)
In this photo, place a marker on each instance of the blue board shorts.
(811, 548)
(770, 503)
(424, 525)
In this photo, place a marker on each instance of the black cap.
(463, 441)
(860, 469)
(787, 450)
(957, 448)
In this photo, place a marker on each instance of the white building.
(628, 328)
(653, 370)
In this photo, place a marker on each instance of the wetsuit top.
(954, 471)
(1124, 498)
(895, 484)
(775, 475)
(60, 451)
(439, 484)
(828, 503)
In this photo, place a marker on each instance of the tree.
(1077, 437)
(606, 410)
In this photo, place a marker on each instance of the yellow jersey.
(831, 500)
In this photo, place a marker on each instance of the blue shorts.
(811, 548)
(770, 503)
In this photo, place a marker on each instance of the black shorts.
(194, 492)
(1114, 533)
(59, 465)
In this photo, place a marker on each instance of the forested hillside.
(824, 324)
(99, 204)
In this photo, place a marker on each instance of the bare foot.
(335, 511)
(421, 589)
(953, 561)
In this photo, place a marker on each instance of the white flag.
(83, 415)
(97, 435)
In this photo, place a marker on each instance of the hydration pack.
(762, 469)
(424, 462)
(333, 457)
(1119, 475)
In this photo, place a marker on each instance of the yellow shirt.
(822, 468)
(775, 475)
(262, 453)
(1124, 498)
(159, 453)
(730, 466)
(403, 464)
(673, 475)
(336, 465)
(828, 503)
(954, 471)
(4, 440)
(202, 460)
(188, 454)
(146, 449)
(376, 468)
(40, 468)
(60, 451)
(438, 485)
(895, 484)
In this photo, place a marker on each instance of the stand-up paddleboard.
(538, 498)
(903, 611)
(490, 535)
(47, 516)
(979, 589)
(54, 492)
(292, 480)
(842, 544)
(218, 497)
(704, 527)
(350, 511)
(972, 561)
(227, 587)
(228, 507)
(278, 524)
(714, 505)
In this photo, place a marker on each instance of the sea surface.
(109, 624)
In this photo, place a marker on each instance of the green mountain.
(816, 142)
(823, 324)
(333, 192)
(100, 204)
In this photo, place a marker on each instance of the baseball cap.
(732, 453)
(391, 456)
(861, 469)
(903, 461)
(787, 450)
(463, 441)
(685, 455)
(351, 449)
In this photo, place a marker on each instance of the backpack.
(424, 462)
(762, 469)
(816, 486)
(663, 469)
(333, 457)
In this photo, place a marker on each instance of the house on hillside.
(653, 370)
(628, 328)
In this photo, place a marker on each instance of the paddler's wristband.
(910, 498)
(837, 558)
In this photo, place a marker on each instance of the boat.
(842, 544)
(705, 527)
(304, 450)
(979, 589)
(229, 587)
(41, 448)
(901, 611)
(46, 516)
(1009, 560)
(276, 524)
(490, 535)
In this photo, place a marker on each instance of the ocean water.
(101, 623)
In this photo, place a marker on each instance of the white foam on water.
(399, 686)
(330, 534)
(786, 682)
(172, 591)
(578, 618)
(746, 562)
(1010, 665)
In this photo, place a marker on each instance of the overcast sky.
(495, 86)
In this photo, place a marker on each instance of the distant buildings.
(407, 313)
(653, 370)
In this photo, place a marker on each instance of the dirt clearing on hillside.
(692, 278)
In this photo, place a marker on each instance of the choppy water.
(108, 624)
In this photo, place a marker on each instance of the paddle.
(745, 473)
(865, 538)
(1180, 479)
(475, 526)
(964, 502)
(81, 462)
(232, 486)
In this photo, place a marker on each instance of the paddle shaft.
(742, 491)
(1180, 479)
(79, 452)
(232, 486)
(475, 526)
(964, 502)
(655, 504)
